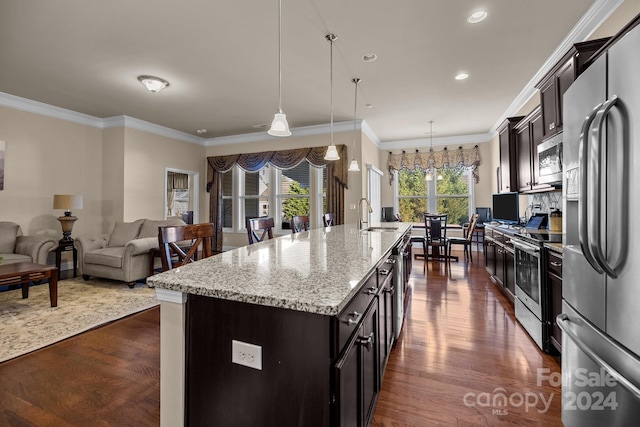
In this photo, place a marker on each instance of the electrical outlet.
(246, 354)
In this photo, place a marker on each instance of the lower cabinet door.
(370, 365)
(357, 376)
(347, 404)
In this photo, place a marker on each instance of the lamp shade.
(353, 166)
(279, 126)
(67, 201)
(332, 153)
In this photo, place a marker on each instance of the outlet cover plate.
(246, 354)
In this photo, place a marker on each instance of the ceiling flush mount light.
(279, 126)
(332, 152)
(353, 166)
(462, 76)
(369, 57)
(154, 84)
(477, 16)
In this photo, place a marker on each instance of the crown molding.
(47, 110)
(133, 123)
(366, 129)
(322, 129)
(599, 11)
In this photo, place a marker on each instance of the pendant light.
(279, 126)
(353, 166)
(431, 171)
(332, 151)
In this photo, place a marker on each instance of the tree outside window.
(450, 195)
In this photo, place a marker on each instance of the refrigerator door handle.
(583, 205)
(596, 223)
(562, 320)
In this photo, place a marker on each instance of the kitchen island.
(304, 317)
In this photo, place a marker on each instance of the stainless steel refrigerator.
(601, 266)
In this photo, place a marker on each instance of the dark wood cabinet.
(499, 260)
(557, 81)
(386, 313)
(554, 285)
(528, 134)
(508, 173)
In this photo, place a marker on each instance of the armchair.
(122, 255)
(14, 247)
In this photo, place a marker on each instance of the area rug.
(29, 324)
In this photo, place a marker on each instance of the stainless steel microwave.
(550, 160)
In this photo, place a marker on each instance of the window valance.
(283, 159)
(469, 157)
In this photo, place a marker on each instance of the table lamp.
(67, 202)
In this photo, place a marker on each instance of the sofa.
(122, 254)
(14, 247)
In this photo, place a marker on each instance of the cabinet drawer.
(554, 264)
(352, 315)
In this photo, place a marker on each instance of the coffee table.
(21, 273)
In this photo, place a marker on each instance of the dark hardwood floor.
(460, 355)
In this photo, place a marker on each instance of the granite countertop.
(316, 271)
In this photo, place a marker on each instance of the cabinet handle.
(367, 341)
(372, 290)
(356, 318)
(390, 261)
(385, 272)
(390, 290)
(556, 264)
(552, 126)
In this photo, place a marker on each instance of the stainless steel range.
(532, 296)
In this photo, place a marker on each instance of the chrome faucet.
(360, 221)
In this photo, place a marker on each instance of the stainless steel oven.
(530, 296)
(550, 160)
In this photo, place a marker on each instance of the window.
(280, 194)
(294, 195)
(254, 199)
(227, 198)
(451, 195)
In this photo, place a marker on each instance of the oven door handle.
(532, 250)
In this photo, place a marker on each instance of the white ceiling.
(221, 59)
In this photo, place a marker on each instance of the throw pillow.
(8, 236)
(124, 232)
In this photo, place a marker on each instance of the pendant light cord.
(355, 109)
(280, 56)
(331, 38)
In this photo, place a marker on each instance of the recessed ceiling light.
(477, 16)
(201, 131)
(369, 57)
(369, 105)
(462, 76)
(154, 84)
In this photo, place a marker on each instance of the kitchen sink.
(381, 229)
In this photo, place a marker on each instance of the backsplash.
(543, 202)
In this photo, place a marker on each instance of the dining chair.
(435, 226)
(182, 244)
(465, 240)
(329, 219)
(299, 223)
(259, 229)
